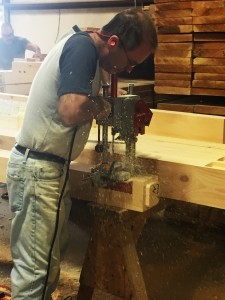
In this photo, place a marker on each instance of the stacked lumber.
(19, 79)
(190, 59)
(173, 64)
(209, 50)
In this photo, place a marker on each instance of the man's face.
(118, 59)
(7, 35)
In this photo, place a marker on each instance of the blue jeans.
(34, 187)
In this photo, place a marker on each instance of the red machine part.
(142, 117)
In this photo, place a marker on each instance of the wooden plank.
(209, 53)
(207, 92)
(209, 61)
(206, 4)
(209, 45)
(20, 88)
(176, 107)
(193, 184)
(209, 109)
(209, 37)
(174, 46)
(209, 20)
(214, 84)
(181, 13)
(209, 69)
(172, 76)
(174, 53)
(7, 142)
(174, 38)
(187, 140)
(209, 76)
(172, 90)
(162, 1)
(175, 29)
(173, 21)
(173, 83)
(208, 11)
(173, 68)
(15, 97)
(173, 61)
(171, 6)
(209, 28)
(4, 157)
(187, 126)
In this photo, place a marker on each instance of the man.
(62, 103)
(14, 47)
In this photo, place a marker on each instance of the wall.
(44, 27)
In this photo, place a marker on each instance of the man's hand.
(121, 92)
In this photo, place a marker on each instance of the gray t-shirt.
(9, 52)
(70, 67)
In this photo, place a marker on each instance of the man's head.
(7, 33)
(131, 37)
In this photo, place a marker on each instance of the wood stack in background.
(209, 49)
(190, 59)
(173, 64)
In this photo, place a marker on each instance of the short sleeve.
(77, 65)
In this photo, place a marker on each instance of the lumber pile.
(190, 59)
(19, 79)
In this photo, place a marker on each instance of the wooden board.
(214, 84)
(172, 76)
(174, 21)
(173, 68)
(207, 92)
(209, 53)
(181, 13)
(209, 109)
(209, 69)
(210, 45)
(176, 107)
(207, 4)
(173, 61)
(185, 150)
(174, 53)
(209, 61)
(208, 11)
(209, 37)
(171, 6)
(218, 19)
(174, 38)
(173, 83)
(172, 90)
(175, 28)
(209, 28)
(209, 76)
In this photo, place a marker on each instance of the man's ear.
(113, 41)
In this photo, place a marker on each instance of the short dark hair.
(132, 26)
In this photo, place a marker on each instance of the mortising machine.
(128, 118)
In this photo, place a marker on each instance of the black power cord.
(57, 215)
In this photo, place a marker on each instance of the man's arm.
(35, 48)
(78, 109)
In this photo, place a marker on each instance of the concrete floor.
(182, 258)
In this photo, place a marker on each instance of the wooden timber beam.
(186, 151)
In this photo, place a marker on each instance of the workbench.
(184, 153)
